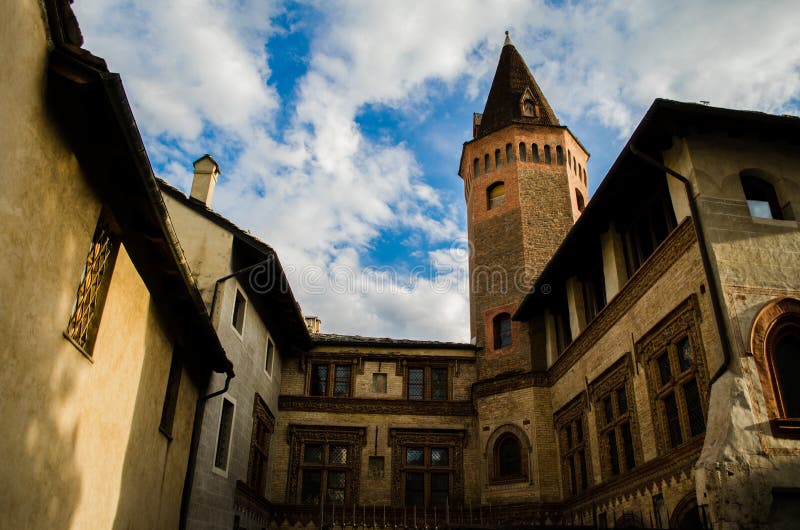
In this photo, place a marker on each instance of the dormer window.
(529, 108)
(496, 195)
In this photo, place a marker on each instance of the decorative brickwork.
(375, 406)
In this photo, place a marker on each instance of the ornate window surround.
(618, 375)
(455, 440)
(573, 411)
(427, 381)
(262, 416)
(491, 457)
(332, 363)
(298, 435)
(768, 326)
(683, 321)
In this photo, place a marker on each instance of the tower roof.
(513, 84)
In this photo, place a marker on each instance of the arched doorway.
(686, 515)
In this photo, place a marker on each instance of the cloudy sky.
(338, 124)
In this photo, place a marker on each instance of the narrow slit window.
(547, 157)
(239, 306)
(224, 435)
(535, 152)
(509, 153)
(559, 155)
(270, 358)
(523, 153)
(171, 396)
(502, 331)
(498, 161)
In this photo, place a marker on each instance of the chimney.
(206, 171)
(313, 324)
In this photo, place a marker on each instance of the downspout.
(701, 240)
(231, 275)
(199, 410)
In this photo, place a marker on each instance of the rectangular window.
(171, 396)
(239, 306)
(427, 467)
(270, 356)
(673, 420)
(573, 452)
(341, 385)
(428, 382)
(263, 426)
(90, 298)
(326, 467)
(616, 422)
(694, 408)
(224, 435)
(660, 511)
(427, 476)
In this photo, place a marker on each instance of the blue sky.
(338, 124)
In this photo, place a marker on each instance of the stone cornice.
(345, 405)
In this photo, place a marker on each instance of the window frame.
(330, 388)
(326, 435)
(753, 184)
(497, 331)
(258, 472)
(83, 323)
(214, 467)
(427, 380)
(269, 363)
(500, 435)
(576, 473)
(239, 294)
(682, 322)
(402, 439)
(493, 203)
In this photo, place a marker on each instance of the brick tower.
(525, 185)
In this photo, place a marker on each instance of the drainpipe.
(701, 240)
(231, 275)
(199, 410)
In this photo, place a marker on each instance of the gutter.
(711, 280)
(188, 482)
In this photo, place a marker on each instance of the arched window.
(559, 155)
(762, 201)
(509, 153)
(535, 152)
(486, 167)
(786, 367)
(547, 158)
(502, 331)
(579, 199)
(495, 195)
(497, 160)
(508, 457)
(476, 167)
(523, 153)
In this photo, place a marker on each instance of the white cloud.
(321, 192)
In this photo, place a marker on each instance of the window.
(224, 435)
(270, 357)
(476, 167)
(90, 298)
(559, 155)
(523, 153)
(762, 201)
(579, 200)
(775, 344)
(660, 511)
(429, 465)
(571, 425)
(676, 376)
(498, 162)
(379, 383)
(486, 167)
(428, 382)
(171, 396)
(529, 108)
(593, 285)
(535, 152)
(263, 427)
(375, 467)
(324, 460)
(502, 331)
(617, 423)
(509, 153)
(569, 159)
(496, 195)
(322, 384)
(648, 229)
(239, 306)
(547, 158)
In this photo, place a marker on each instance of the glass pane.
(510, 458)
(759, 209)
(673, 422)
(337, 454)
(622, 401)
(568, 435)
(613, 456)
(270, 356)
(416, 381)
(573, 481)
(685, 354)
(319, 380)
(609, 411)
(787, 367)
(627, 446)
(415, 456)
(578, 431)
(691, 395)
(440, 456)
(312, 454)
(504, 330)
(312, 484)
(341, 385)
(439, 383)
(440, 488)
(584, 473)
(337, 481)
(664, 370)
(224, 435)
(415, 489)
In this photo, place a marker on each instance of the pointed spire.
(515, 97)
